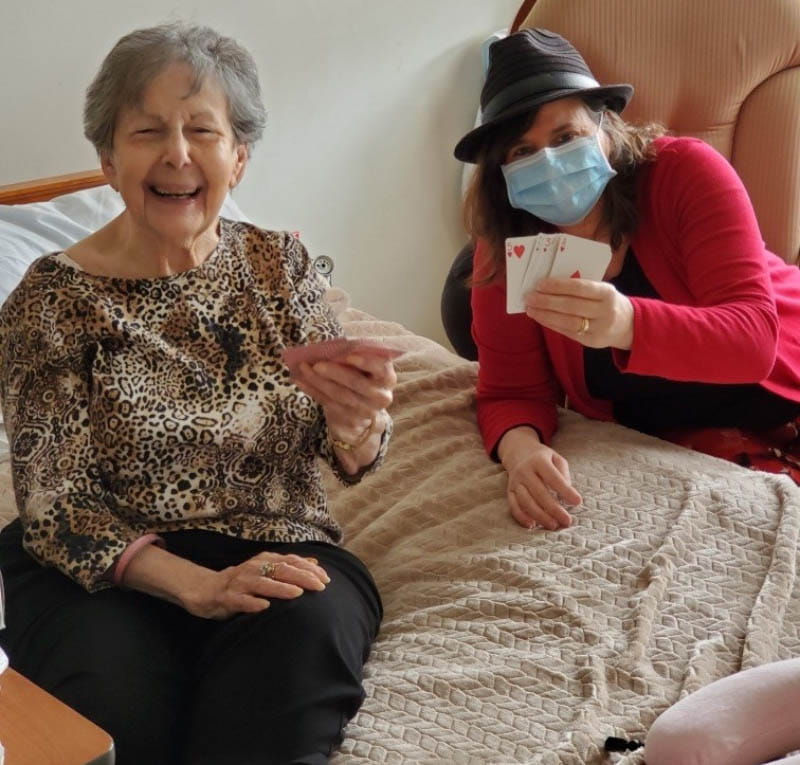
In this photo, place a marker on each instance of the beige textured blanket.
(501, 645)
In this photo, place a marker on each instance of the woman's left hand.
(354, 394)
(593, 313)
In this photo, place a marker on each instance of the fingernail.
(313, 560)
(355, 360)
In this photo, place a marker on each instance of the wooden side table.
(38, 729)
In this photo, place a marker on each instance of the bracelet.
(346, 446)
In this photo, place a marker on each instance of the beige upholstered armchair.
(726, 71)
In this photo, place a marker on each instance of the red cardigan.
(730, 311)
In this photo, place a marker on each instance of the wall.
(366, 99)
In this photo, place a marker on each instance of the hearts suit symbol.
(519, 250)
(576, 275)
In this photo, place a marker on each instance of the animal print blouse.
(139, 406)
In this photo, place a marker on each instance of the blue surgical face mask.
(560, 185)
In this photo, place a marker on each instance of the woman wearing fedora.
(693, 324)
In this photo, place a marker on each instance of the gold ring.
(584, 326)
(268, 570)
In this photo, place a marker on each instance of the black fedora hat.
(528, 69)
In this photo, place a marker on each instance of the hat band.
(540, 83)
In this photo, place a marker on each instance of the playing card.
(518, 253)
(578, 258)
(337, 348)
(541, 262)
(528, 260)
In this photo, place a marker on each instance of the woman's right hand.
(538, 477)
(245, 589)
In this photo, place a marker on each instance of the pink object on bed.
(748, 718)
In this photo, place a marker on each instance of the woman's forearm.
(158, 572)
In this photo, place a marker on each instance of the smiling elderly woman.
(174, 574)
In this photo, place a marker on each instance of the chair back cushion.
(726, 71)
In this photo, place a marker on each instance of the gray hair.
(140, 56)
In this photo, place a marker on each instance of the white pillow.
(30, 230)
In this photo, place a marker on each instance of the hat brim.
(616, 98)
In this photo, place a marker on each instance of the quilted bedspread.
(502, 645)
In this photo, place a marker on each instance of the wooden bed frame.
(42, 189)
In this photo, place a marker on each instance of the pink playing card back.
(337, 348)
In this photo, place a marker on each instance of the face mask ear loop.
(600, 135)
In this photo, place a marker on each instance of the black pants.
(274, 687)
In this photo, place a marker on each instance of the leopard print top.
(140, 406)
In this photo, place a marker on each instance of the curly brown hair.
(488, 214)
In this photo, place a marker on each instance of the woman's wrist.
(364, 452)
(520, 437)
(351, 439)
(624, 340)
(354, 435)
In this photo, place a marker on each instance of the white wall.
(366, 99)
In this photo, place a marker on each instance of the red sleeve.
(516, 384)
(702, 219)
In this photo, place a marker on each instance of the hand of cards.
(336, 349)
(529, 259)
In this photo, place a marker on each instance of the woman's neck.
(121, 250)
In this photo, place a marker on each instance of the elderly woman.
(694, 323)
(174, 573)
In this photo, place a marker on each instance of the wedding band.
(268, 570)
(584, 326)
